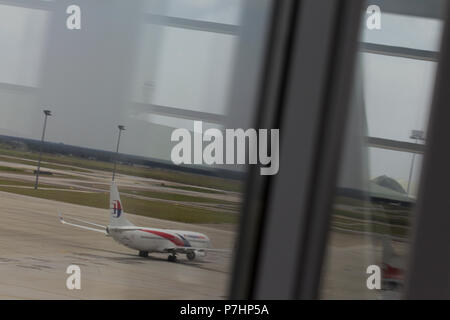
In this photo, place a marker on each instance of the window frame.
(429, 267)
(284, 228)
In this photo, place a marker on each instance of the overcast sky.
(183, 69)
(398, 91)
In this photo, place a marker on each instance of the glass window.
(117, 89)
(382, 158)
(414, 32)
(23, 34)
(187, 62)
(389, 96)
(219, 11)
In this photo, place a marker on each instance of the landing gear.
(172, 258)
(190, 255)
(143, 254)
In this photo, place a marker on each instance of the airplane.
(392, 271)
(146, 240)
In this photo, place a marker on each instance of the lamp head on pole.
(418, 135)
(121, 127)
(47, 112)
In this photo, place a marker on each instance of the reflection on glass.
(150, 76)
(406, 31)
(218, 11)
(22, 28)
(382, 157)
(188, 60)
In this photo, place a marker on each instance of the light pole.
(47, 113)
(415, 135)
(121, 128)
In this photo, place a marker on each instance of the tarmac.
(36, 249)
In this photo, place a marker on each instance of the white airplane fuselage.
(158, 240)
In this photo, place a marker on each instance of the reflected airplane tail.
(392, 265)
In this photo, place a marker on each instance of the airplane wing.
(61, 219)
(91, 223)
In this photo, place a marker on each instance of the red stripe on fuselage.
(167, 236)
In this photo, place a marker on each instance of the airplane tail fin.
(117, 215)
(392, 263)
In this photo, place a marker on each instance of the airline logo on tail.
(117, 209)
